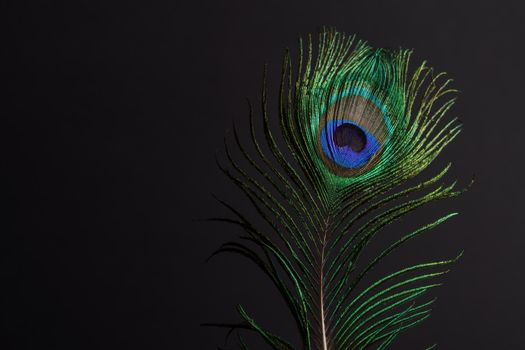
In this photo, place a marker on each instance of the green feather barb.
(354, 126)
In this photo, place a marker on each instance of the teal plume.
(353, 125)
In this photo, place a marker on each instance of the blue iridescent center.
(342, 147)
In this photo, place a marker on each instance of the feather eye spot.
(351, 134)
(347, 145)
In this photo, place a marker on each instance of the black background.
(114, 112)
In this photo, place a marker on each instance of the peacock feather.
(353, 126)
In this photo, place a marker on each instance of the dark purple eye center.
(349, 135)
